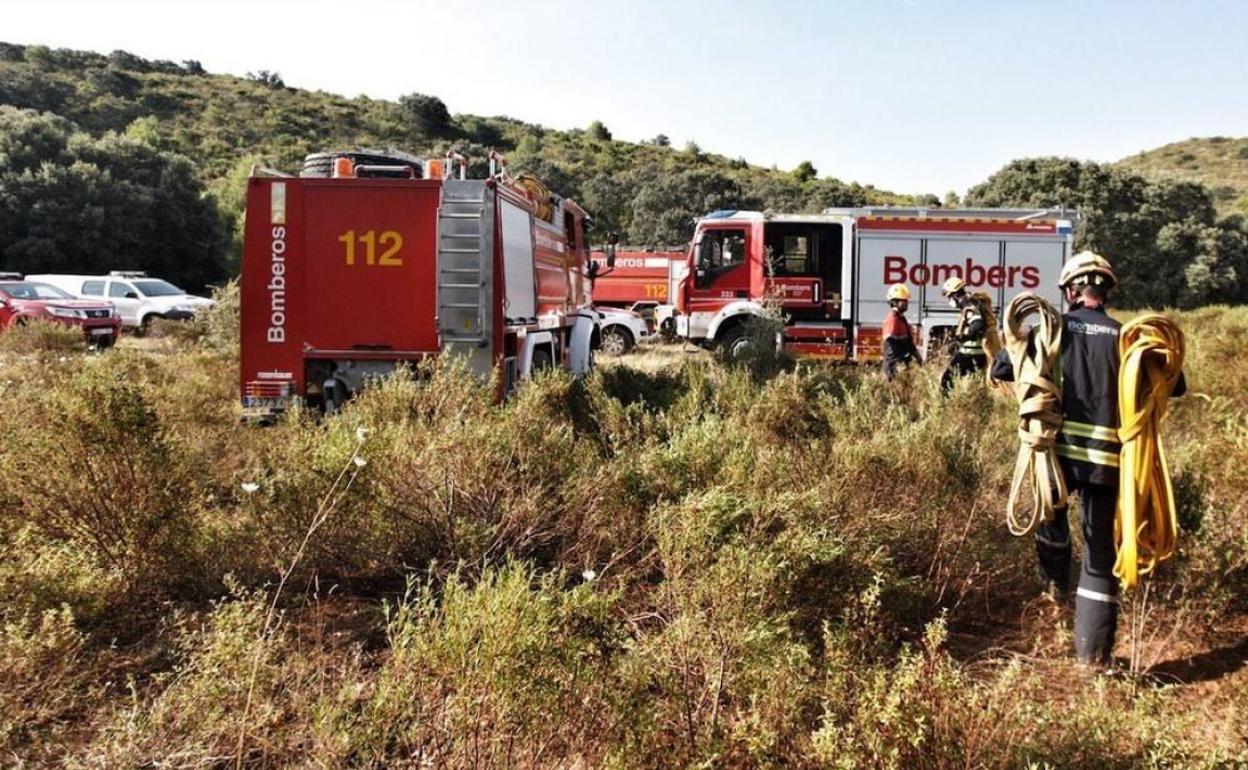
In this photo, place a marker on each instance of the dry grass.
(672, 563)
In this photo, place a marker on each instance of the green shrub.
(47, 676)
(513, 671)
(38, 336)
(93, 467)
(242, 686)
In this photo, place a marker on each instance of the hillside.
(1219, 163)
(647, 191)
(105, 161)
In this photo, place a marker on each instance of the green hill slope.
(1219, 163)
(648, 191)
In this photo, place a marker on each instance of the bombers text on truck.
(370, 260)
(829, 273)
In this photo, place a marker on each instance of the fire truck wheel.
(541, 360)
(616, 341)
(321, 164)
(736, 345)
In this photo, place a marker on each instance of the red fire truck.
(639, 278)
(369, 260)
(829, 272)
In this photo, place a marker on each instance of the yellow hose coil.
(539, 193)
(1147, 526)
(1034, 357)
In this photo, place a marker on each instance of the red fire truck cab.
(371, 260)
(828, 273)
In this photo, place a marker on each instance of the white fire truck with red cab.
(369, 260)
(829, 272)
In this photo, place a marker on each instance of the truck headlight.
(66, 312)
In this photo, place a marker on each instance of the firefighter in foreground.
(1088, 448)
(968, 356)
(899, 348)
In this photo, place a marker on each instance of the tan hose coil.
(1147, 527)
(1034, 357)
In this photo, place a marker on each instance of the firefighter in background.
(1088, 447)
(899, 349)
(968, 336)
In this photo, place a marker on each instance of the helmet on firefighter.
(898, 291)
(953, 286)
(1087, 268)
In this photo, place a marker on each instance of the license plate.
(101, 332)
(253, 402)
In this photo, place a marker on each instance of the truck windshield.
(27, 290)
(158, 289)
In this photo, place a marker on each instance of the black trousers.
(961, 365)
(1096, 599)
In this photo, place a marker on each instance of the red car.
(22, 300)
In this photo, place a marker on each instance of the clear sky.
(910, 95)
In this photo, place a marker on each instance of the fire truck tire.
(735, 345)
(616, 341)
(318, 164)
(321, 164)
(541, 359)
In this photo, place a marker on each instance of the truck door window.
(93, 288)
(721, 249)
(795, 259)
(118, 289)
(791, 248)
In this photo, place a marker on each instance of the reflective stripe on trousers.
(1096, 599)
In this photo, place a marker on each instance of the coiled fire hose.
(1147, 527)
(1034, 357)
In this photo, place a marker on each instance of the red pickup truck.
(24, 300)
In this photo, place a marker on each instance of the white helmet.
(1087, 267)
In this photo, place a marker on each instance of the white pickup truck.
(139, 299)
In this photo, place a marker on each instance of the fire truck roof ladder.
(465, 285)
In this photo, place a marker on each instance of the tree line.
(111, 161)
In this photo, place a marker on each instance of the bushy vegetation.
(70, 202)
(670, 564)
(36, 334)
(1164, 237)
(105, 155)
(648, 192)
(1220, 163)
